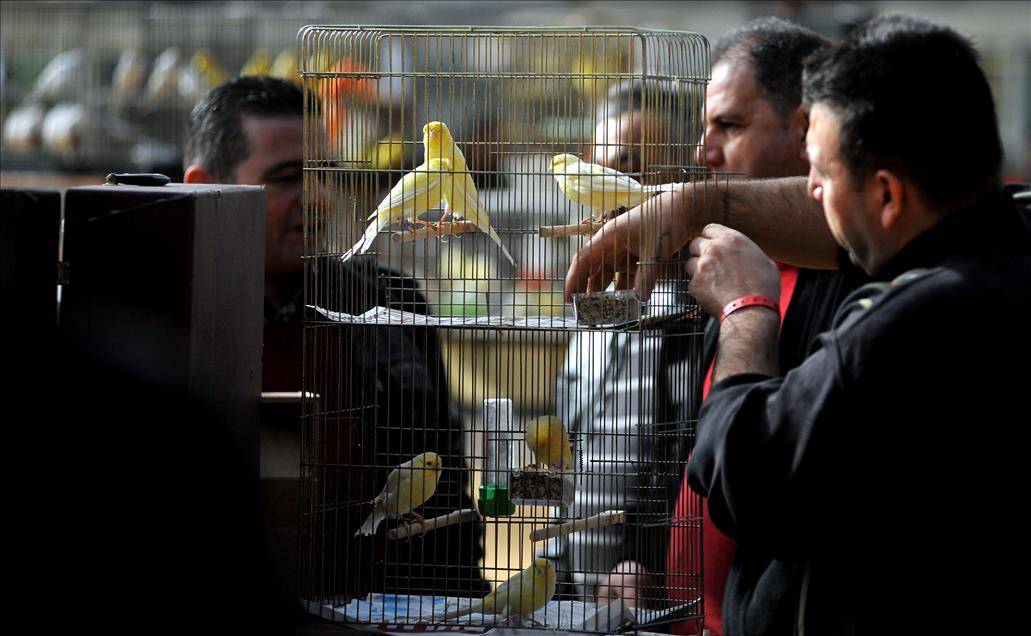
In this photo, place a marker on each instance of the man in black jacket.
(888, 463)
(382, 392)
(756, 127)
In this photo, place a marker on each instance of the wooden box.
(168, 283)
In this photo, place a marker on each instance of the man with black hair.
(755, 121)
(888, 464)
(251, 131)
(755, 127)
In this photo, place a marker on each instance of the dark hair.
(775, 50)
(214, 137)
(910, 96)
(678, 100)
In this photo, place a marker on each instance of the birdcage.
(438, 349)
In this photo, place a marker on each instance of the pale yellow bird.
(408, 487)
(521, 595)
(460, 195)
(547, 439)
(416, 193)
(598, 187)
(285, 65)
(204, 63)
(258, 64)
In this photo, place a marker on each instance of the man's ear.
(890, 197)
(798, 126)
(198, 174)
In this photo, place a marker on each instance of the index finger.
(602, 247)
(579, 273)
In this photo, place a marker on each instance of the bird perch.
(578, 229)
(422, 527)
(432, 231)
(607, 518)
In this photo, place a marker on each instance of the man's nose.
(713, 156)
(710, 153)
(814, 187)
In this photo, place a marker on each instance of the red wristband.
(749, 301)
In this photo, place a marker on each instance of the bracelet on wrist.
(749, 301)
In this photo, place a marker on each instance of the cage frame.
(640, 327)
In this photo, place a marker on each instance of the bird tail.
(371, 522)
(475, 608)
(364, 243)
(494, 237)
(482, 221)
(567, 458)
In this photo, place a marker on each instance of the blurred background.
(88, 88)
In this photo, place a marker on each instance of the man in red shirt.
(755, 127)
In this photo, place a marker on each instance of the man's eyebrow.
(292, 164)
(724, 116)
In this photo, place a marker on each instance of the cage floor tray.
(387, 316)
(399, 613)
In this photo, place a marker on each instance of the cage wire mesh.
(556, 436)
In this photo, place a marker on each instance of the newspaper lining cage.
(475, 451)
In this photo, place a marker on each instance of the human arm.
(777, 214)
(764, 462)
(784, 462)
(724, 266)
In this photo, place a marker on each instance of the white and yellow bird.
(459, 194)
(600, 188)
(416, 193)
(547, 439)
(408, 487)
(520, 596)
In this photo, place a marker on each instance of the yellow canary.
(408, 486)
(258, 64)
(285, 66)
(416, 193)
(547, 439)
(521, 595)
(460, 195)
(206, 66)
(600, 188)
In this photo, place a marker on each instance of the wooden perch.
(607, 518)
(421, 527)
(432, 231)
(579, 229)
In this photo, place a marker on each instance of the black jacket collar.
(991, 225)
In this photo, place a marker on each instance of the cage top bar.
(491, 30)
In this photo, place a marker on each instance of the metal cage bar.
(424, 343)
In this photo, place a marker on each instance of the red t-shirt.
(717, 548)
